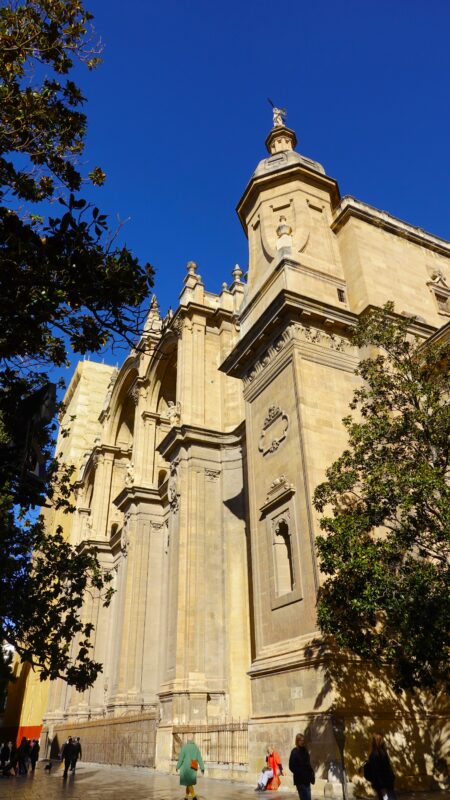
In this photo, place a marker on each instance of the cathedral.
(196, 464)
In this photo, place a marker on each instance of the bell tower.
(286, 212)
(296, 366)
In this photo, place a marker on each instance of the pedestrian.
(269, 776)
(13, 759)
(378, 769)
(300, 766)
(189, 762)
(5, 753)
(23, 755)
(34, 753)
(76, 753)
(67, 754)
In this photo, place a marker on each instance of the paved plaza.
(93, 782)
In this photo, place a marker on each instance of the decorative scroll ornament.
(133, 394)
(274, 430)
(438, 279)
(124, 537)
(279, 486)
(212, 474)
(172, 491)
(299, 331)
(279, 493)
(167, 536)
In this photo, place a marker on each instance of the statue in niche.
(129, 478)
(284, 234)
(174, 412)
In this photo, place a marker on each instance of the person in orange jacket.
(269, 778)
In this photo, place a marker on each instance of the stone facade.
(196, 485)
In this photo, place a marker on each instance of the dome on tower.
(283, 160)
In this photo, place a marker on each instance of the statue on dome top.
(279, 114)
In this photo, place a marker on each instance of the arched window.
(125, 428)
(162, 477)
(282, 553)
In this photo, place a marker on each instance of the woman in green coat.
(189, 757)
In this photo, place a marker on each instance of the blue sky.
(178, 115)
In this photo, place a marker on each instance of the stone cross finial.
(153, 321)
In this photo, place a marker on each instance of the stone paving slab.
(93, 782)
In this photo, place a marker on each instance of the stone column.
(101, 498)
(100, 618)
(144, 448)
(207, 624)
(115, 631)
(138, 664)
(191, 370)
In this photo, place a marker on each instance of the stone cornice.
(281, 177)
(333, 326)
(440, 336)
(101, 450)
(214, 313)
(350, 207)
(418, 327)
(112, 449)
(100, 545)
(287, 264)
(280, 491)
(285, 307)
(155, 415)
(289, 655)
(136, 494)
(193, 434)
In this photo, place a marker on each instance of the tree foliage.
(386, 505)
(65, 285)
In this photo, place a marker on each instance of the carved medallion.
(274, 430)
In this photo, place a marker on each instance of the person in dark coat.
(34, 753)
(13, 759)
(67, 755)
(5, 753)
(23, 754)
(378, 769)
(76, 753)
(300, 766)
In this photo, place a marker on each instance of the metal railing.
(220, 743)
(120, 740)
